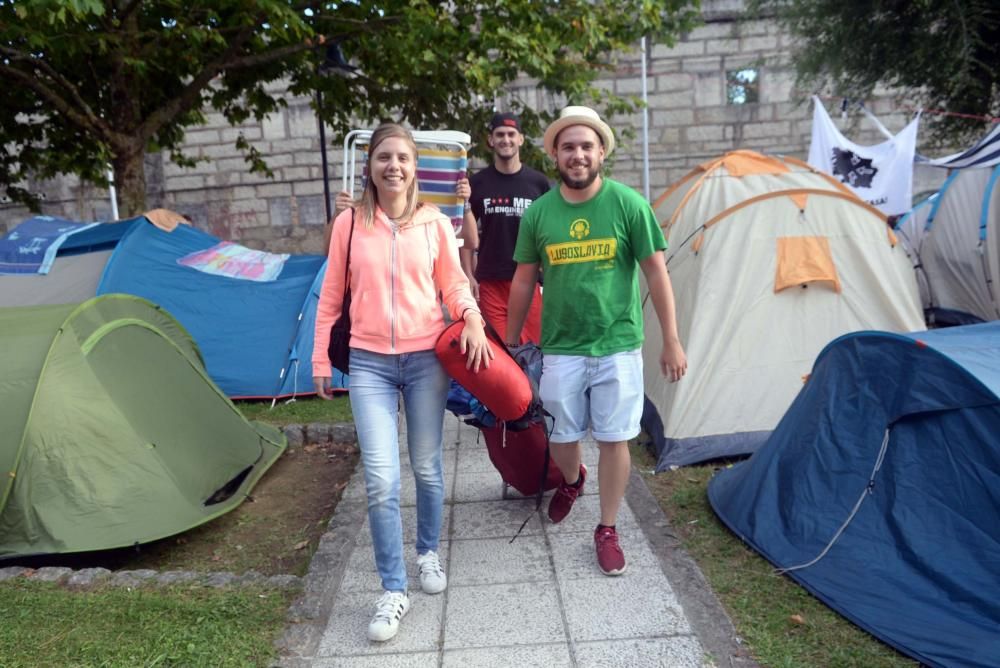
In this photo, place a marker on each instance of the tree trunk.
(130, 182)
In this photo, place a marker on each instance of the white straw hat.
(578, 116)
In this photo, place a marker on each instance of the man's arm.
(673, 362)
(522, 289)
(470, 236)
(343, 201)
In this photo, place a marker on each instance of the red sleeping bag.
(503, 388)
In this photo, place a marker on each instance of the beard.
(579, 184)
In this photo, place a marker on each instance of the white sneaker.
(388, 611)
(432, 577)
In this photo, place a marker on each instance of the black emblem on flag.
(852, 169)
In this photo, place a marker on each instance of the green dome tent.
(112, 433)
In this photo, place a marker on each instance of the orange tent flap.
(804, 260)
(165, 219)
(744, 163)
(800, 200)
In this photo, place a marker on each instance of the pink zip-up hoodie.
(395, 277)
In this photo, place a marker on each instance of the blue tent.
(879, 490)
(256, 337)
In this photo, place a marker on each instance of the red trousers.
(493, 297)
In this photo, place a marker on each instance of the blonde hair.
(369, 198)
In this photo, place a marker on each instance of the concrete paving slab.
(498, 561)
(574, 555)
(494, 519)
(531, 656)
(361, 574)
(586, 515)
(504, 615)
(486, 486)
(639, 605)
(346, 633)
(672, 652)
(411, 660)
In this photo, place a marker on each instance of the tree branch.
(86, 120)
(191, 95)
(93, 120)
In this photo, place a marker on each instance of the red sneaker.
(610, 557)
(565, 496)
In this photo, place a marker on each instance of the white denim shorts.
(600, 394)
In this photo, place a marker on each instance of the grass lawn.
(300, 411)
(782, 624)
(46, 625)
(275, 531)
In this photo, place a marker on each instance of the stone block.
(671, 82)
(696, 134)
(249, 132)
(12, 571)
(280, 211)
(219, 580)
(295, 434)
(722, 47)
(302, 121)
(186, 182)
(318, 432)
(51, 574)
(704, 64)
(205, 136)
(136, 578)
(293, 174)
(673, 100)
(314, 186)
(682, 48)
(312, 209)
(764, 44)
(271, 190)
(88, 577)
(672, 117)
(273, 127)
(708, 90)
(714, 30)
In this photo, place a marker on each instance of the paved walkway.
(539, 601)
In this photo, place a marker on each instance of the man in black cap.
(496, 197)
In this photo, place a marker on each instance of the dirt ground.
(275, 531)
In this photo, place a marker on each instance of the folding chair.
(443, 160)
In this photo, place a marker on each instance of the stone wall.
(689, 122)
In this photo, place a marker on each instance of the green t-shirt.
(589, 254)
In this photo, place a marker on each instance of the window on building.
(743, 86)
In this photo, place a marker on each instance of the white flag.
(881, 175)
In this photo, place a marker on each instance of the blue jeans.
(376, 382)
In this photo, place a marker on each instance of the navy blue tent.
(879, 490)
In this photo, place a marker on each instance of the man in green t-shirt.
(590, 236)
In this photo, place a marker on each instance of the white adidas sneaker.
(432, 577)
(389, 609)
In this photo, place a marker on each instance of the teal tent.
(111, 432)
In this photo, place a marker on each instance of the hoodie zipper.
(392, 288)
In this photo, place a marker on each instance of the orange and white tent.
(770, 260)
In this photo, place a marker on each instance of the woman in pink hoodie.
(403, 254)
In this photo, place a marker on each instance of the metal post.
(322, 149)
(645, 125)
(112, 194)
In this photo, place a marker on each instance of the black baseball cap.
(505, 120)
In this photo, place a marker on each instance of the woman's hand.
(473, 343)
(322, 385)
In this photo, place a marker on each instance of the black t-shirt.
(498, 200)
